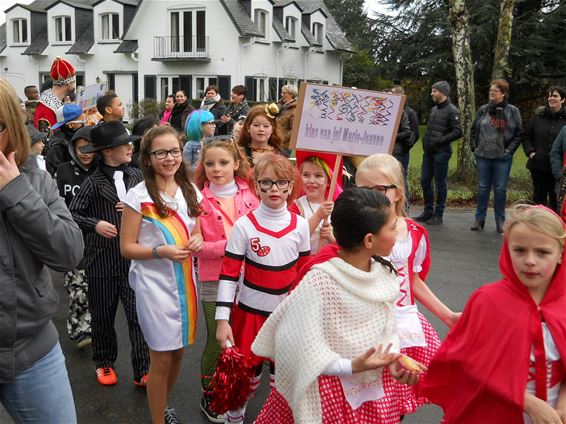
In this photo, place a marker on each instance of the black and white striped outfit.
(106, 270)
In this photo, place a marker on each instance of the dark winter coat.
(404, 140)
(443, 127)
(540, 133)
(179, 115)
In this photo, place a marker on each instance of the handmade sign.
(87, 96)
(346, 121)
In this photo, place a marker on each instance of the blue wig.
(193, 126)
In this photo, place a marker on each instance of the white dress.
(166, 292)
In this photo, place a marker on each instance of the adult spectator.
(165, 116)
(70, 118)
(496, 134)
(63, 76)
(32, 98)
(538, 137)
(558, 165)
(111, 108)
(443, 127)
(403, 150)
(37, 235)
(181, 111)
(238, 107)
(214, 104)
(288, 106)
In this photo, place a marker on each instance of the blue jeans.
(42, 393)
(435, 165)
(493, 172)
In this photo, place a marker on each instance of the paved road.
(461, 261)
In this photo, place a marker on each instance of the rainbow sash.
(176, 232)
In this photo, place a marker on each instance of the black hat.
(83, 132)
(108, 135)
(34, 134)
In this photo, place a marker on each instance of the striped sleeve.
(230, 271)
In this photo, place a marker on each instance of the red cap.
(62, 72)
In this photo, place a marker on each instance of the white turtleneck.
(224, 191)
(273, 219)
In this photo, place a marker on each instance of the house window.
(260, 19)
(260, 89)
(201, 83)
(318, 32)
(110, 26)
(20, 31)
(63, 29)
(188, 31)
(291, 26)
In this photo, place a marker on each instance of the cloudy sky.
(371, 6)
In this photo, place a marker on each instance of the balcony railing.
(171, 47)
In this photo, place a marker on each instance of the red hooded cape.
(480, 372)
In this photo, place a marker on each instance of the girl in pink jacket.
(222, 174)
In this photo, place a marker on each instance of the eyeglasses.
(209, 123)
(224, 138)
(162, 154)
(267, 184)
(382, 188)
(494, 91)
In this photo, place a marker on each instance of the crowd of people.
(204, 206)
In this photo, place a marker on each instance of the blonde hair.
(539, 218)
(14, 119)
(392, 170)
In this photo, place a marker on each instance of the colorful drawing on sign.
(348, 106)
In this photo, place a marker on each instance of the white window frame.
(318, 32)
(110, 26)
(291, 26)
(169, 82)
(203, 81)
(65, 38)
(260, 21)
(181, 32)
(261, 85)
(18, 37)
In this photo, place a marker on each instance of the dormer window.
(63, 29)
(20, 31)
(260, 19)
(318, 32)
(110, 26)
(291, 26)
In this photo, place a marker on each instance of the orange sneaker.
(141, 382)
(106, 376)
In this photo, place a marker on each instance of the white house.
(150, 48)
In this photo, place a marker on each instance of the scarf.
(341, 311)
(480, 372)
(166, 116)
(497, 114)
(207, 104)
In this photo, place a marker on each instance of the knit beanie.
(443, 87)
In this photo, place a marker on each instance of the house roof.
(85, 41)
(240, 18)
(39, 41)
(283, 3)
(127, 46)
(2, 37)
(126, 2)
(281, 31)
(80, 4)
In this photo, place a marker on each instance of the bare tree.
(501, 56)
(459, 22)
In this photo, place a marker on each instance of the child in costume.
(411, 259)
(223, 175)
(160, 231)
(313, 206)
(200, 125)
(504, 360)
(259, 135)
(271, 243)
(327, 337)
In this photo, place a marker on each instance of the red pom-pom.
(230, 386)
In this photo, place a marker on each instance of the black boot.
(423, 217)
(478, 225)
(435, 220)
(499, 227)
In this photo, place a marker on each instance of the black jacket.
(413, 123)
(57, 150)
(404, 140)
(444, 127)
(540, 133)
(179, 115)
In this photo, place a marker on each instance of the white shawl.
(337, 311)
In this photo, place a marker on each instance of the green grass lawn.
(520, 186)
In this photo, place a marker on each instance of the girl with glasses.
(160, 232)
(224, 176)
(271, 243)
(200, 125)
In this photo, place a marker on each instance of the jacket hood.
(81, 133)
